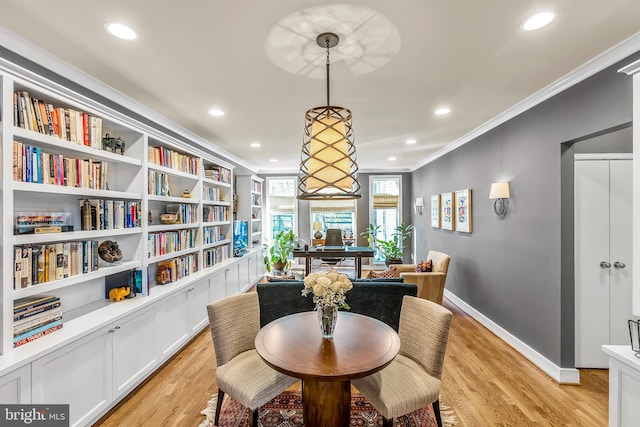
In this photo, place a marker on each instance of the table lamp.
(317, 227)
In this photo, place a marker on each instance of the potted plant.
(277, 255)
(392, 249)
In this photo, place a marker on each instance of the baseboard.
(561, 375)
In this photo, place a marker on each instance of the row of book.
(31, 164)
(213, 194)
(256, 186)
(35, 317)
(172, 159)
(178, 268)
(170, 241)
(37, 264)
(101, 214)
(218, 173)
(64, 123)
(215, 255)
(215, 213)
(212, 234)
(158, 184)
(186, 213)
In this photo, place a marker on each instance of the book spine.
(29, 304)
(38, 319)
(35, 336)
(36, 311)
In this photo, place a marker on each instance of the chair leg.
(218, 405)
(436, 412)
(255, 418)
(387, 422)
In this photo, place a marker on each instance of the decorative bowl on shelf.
(168, 218)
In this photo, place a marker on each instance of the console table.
(624, 385)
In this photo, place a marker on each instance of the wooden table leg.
(307, 265)
(358, 267)
(326, 403)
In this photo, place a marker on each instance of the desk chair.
(333, 238)
(241, 372)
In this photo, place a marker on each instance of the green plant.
(371, 234)
(280, 249)
(393, 249)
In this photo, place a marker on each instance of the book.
(41, 263)
(66, 254)
(19, 342)
(59, 261)
(25, 303)
(37, 310)
(17, 272)
(37, 319)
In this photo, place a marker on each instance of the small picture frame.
(463, 212)
(435, 211)
(447, 210)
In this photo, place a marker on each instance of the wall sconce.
(499, 192)
(418, 205)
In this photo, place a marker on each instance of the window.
(385, 209)
(281, 205)
(340, 214)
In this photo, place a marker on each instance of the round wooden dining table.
(360, 346)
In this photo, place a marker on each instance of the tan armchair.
(430, 284)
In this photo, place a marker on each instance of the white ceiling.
(258, 61)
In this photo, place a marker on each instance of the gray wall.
(517, 271)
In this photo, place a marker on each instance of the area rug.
(286, 411)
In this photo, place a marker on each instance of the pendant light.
(328, 168)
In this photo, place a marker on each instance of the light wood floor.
(485, 381)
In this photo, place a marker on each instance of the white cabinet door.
(197, 300)
(243, 273)
(603, 215)
(217, 286)
(172, 321)
(134, 349)
(253, 268)
(80, 374)
(231, 280)
(15, 387)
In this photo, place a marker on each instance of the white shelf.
(214, 223)
(173, 254)
(172, 199)
(215, 203)
(76, 191)
(66, 147)
(214, 244)
(173, 172)
(216, 183)
(73, 280)
(23, 239)
(170, 227)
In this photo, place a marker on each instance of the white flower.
(328, 288)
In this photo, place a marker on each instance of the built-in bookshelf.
(81, 175)
(249, 189)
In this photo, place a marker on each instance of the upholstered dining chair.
(333, 238)
(412, 380)
(234, 322)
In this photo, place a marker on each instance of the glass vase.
(327, 317)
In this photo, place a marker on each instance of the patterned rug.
(286, 411)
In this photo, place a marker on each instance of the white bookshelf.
(250, 206)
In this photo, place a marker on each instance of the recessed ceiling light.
(538, 20)
(255, 144)
(274, 160)
(442, 111)
(216, 112)
(392, 158)
(410, 141)
(120, 30)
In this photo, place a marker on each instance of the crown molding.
(41, 57)
(606, 59)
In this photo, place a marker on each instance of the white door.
(602, 257)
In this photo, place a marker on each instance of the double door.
(603, 249)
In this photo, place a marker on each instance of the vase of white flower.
(328, 289)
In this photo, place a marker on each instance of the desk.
(294, 346)
(357, 252)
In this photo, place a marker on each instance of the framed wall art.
(435, 211)
(447, 211)
(463, 213)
